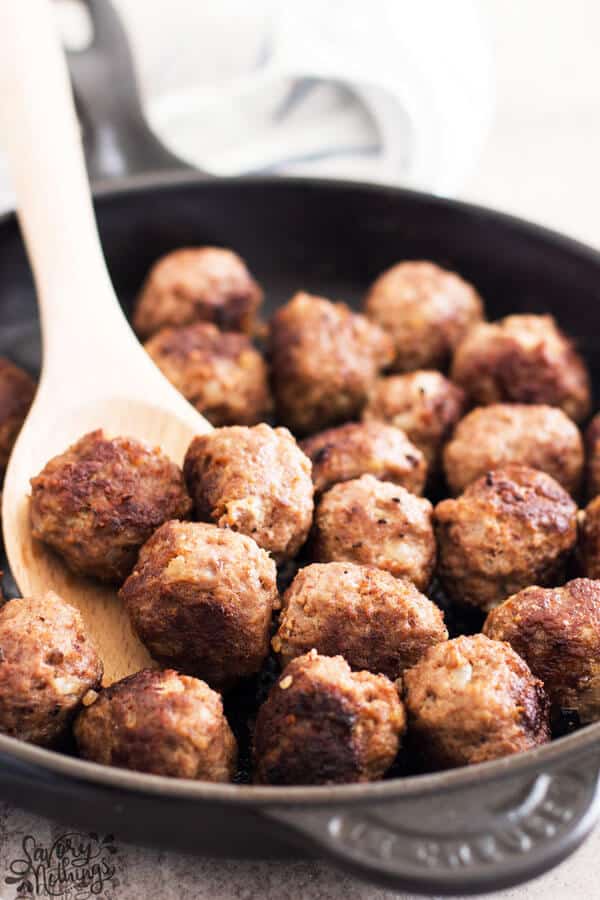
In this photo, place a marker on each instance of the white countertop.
(541, 163)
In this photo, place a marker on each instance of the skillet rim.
(108, 189)
(542, 759)
(547, 756)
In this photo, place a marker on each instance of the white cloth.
(416, 109)
(389, 91)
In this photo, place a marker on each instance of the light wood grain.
(95, 373)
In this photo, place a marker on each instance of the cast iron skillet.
(467, 830)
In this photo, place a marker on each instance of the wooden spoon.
(95, 373)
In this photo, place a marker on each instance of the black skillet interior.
(327, 238)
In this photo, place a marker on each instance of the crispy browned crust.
(98, 502)
(195, 284)
(324, 724)
(367, 448)
(159, 722)
(424, 404)
(376, 523)
(589, 539)
(490, 437)
(377, 622)
(17, 390)
(592, 447)
(426, 309)
(324, 359)
(253, 480)
(200, 598)
(220, 373)
(512, 528)
(523, 359)
(471, 700)
(557, 632)
(47, 665)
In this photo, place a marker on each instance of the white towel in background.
(389, 91)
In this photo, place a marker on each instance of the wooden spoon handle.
(41, 134)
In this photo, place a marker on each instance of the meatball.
(200, 598)
(523, 359)
(592, 444)
(253, 480)
(17, 390)
(220, 373)
(324, 724)
(471, 700)
(159, 722)
(100, 500)
(376, 523)
(557, 632)
(589, 539)
(378, 622)
(491, 437)
(426, 309)
(198, 284)
(324, 360)
(371, 448)
(425, 405)
(47, 665)
(512, 528)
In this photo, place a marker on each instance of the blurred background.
(541, 158)
(494, 101)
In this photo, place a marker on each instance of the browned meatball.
(368, 448)
(557, 632)
(378, 622)
(424, 404)
(376, 523)
(219, 372)
(589, 539)
(512, 528)
(17, 389)
(592, 446)
(98, 502)
(196, 284)
(159, 722)
(200, 598)
(471, 700)
(253, 480)
(47, 665)
(523, 359)
(324, 724)
(491, 437)
(426, 309)
(324, 361)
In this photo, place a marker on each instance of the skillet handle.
(116, 137)
(459, 841)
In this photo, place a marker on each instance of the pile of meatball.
(296, 539)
